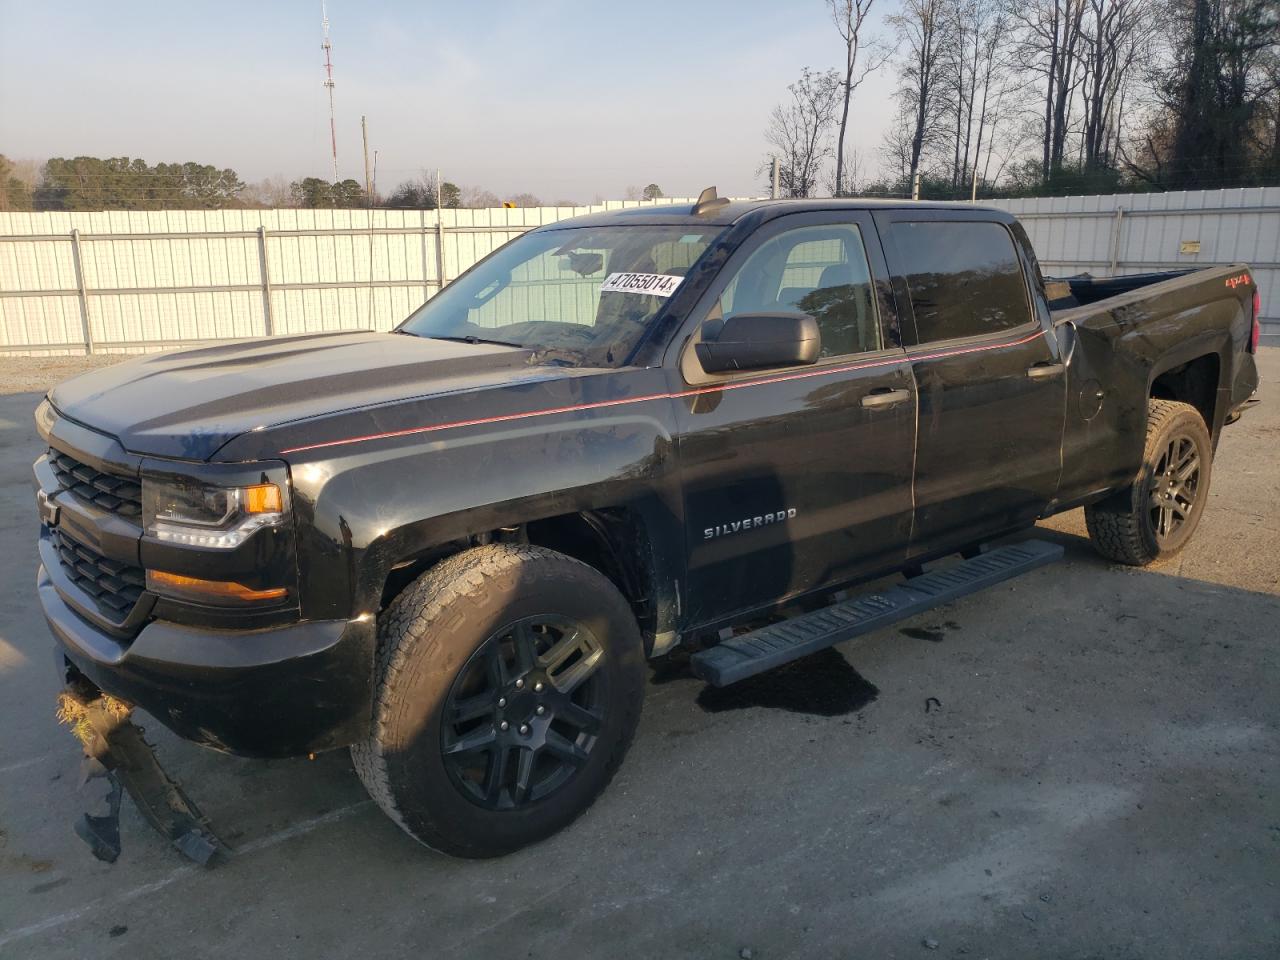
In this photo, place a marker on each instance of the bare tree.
(1273, 108)
(854, 170)
(1051, 41)
(27, 170)
(1005, 138)
(956, 76)
(987, 33)
(919, 25)
(798, 130)
(973, 63)
(478, 198)
(1052, 96)
(992, 86)
(895, 149)
(850, 17)
(15, 191)
(1116, 38)
(272, 192)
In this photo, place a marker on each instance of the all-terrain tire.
(431, 634)
(1125, 526)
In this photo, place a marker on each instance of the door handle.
(885, 398)
(1044, 371)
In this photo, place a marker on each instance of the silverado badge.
(748, 523)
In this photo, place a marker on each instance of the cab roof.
(735, 210)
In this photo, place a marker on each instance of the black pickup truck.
(452, 547)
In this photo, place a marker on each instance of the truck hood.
(189, 403)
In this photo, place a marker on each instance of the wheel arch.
(1194, 376)
(628, 543)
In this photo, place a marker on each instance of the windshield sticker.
(653, 284)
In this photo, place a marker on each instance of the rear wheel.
(1156, 515)
(510, 680)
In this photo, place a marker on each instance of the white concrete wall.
(164, 278)
(1139, 232)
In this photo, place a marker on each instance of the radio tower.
(328, 82)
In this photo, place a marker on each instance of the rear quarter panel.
(1122, 345)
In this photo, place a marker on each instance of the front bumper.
(276, 692)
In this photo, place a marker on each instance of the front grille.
(120, 495)
(115, 586)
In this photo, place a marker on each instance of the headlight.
(46, 416)
(198, 514)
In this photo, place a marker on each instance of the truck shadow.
(822, 684)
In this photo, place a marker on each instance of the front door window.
(818, 270)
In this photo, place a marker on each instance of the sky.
(567, 100)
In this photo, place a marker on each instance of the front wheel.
(1154, 517)
(510, 680)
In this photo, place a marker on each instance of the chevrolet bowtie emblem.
(47, 509)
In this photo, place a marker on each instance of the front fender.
(367, 506)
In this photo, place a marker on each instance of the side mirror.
(756, 341)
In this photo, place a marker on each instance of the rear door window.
(964, 279)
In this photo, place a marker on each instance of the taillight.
(1256, 332)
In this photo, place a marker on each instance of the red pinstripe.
(719, 388)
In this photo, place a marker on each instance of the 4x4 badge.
(47, 509)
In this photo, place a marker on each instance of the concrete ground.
(1081, 763)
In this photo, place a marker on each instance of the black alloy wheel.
(510, 680)
(1156, 515)
(1174, 486)
(523, 714)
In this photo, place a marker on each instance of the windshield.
(583, 295)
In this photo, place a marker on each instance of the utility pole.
(328, 82)
(915, 186)
(777, 176)
(973, 197)
(364, 135)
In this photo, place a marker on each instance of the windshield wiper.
(470, 339)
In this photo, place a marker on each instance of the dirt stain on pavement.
(934, 632)
(51, 885)
(24, 863)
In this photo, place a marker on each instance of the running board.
(751, 653)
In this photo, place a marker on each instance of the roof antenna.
(708, 201)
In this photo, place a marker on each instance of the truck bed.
(1177, 335)
(1083, 289)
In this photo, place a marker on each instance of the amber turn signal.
(210, 591)
(262, 498)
